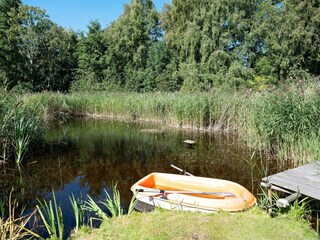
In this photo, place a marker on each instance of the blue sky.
(76, 14)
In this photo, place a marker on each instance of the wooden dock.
(304, 180)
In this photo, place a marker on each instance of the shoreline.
(169, 124)
(271, 123)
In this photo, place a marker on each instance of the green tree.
(8, 56)
(45, 51)
(129, 39)
(26, 32)
(208, 36)
(5, 7)
(58, 59)
(91, 52)
(289, 35)
(161, 69)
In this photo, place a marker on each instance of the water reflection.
(85, 156)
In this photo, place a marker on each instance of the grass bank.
(252, 224)
(284, 123)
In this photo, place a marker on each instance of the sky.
(76, 14)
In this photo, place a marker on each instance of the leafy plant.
(52, 217)
(300, 209)
(27, 127)
(112, 203)
(78, 210)
(93, 207)
(133, 203)
(264, 203)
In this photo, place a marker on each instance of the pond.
(86, 156)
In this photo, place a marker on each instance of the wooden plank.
(304, 179)
(309, 171)
(285, 202)
(300, 174)
(312, 191)
(274, 187)
(181, 170)
(303, 173)
(296, 181)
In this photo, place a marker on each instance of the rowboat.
(190, 193)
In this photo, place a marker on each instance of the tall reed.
(111, 203)
(12, 227)
(20, 127)
(284, 123)
(27, 127)
(52, 217)
(287, 124)
(78, 211)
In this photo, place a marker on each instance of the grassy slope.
(252, 224)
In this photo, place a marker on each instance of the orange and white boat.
(190, 193)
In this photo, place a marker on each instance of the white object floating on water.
(191, 142)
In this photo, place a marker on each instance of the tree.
(58, 60)
(289, 35)
(161, 69)
(129, 39)
(27, 32)
(91, 52)
(208, 36)
(44, 51)
(8, 55)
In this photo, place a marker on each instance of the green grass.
(252, 224)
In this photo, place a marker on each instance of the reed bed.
(197, 110)
(21, 127)
(284, 123)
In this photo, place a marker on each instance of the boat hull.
(147, 191)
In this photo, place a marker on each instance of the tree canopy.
(192, 45)
(39, 55)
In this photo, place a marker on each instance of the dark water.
(87, 156)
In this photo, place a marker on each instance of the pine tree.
(91, 51)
